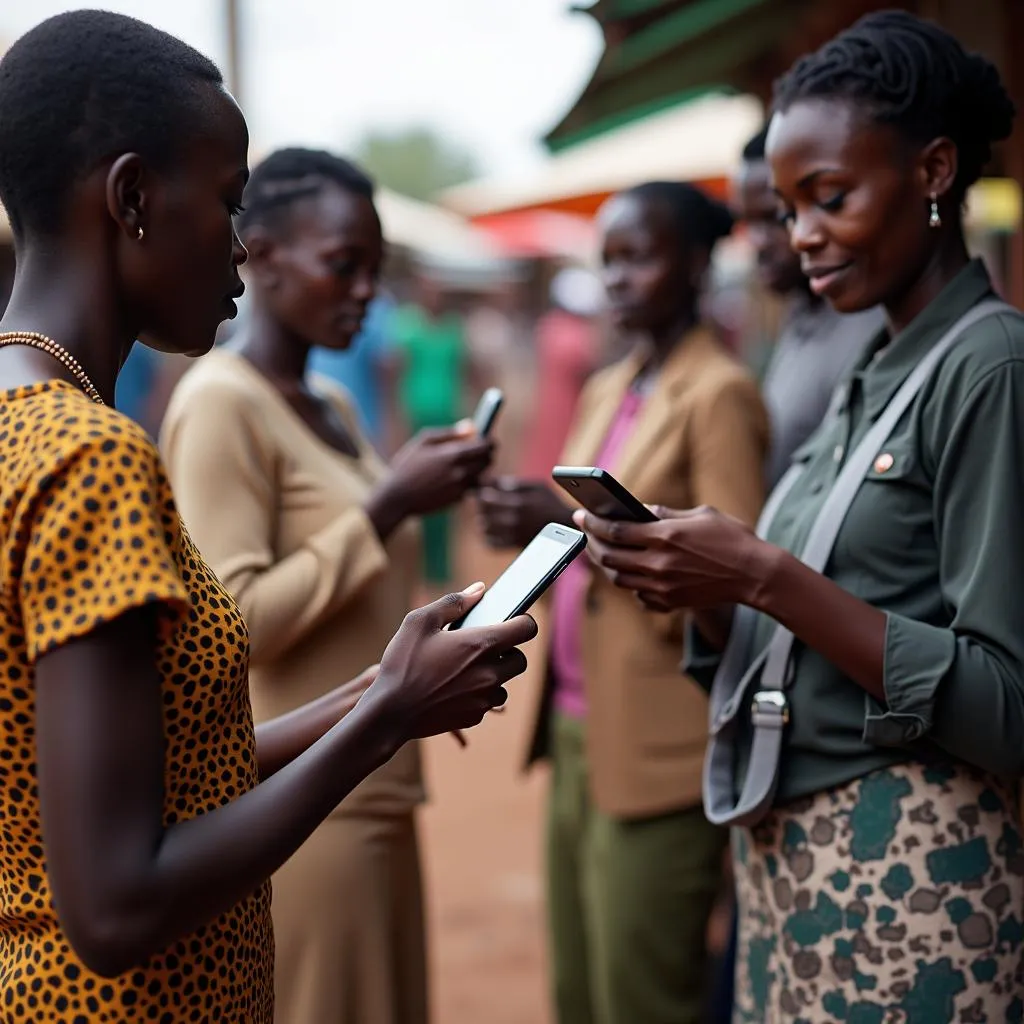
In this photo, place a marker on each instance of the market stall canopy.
(433, 231)
(659, 53)
(699, 142)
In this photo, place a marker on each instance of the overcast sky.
(492, 74)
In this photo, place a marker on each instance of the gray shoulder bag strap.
(769, 706)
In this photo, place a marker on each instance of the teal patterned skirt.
(897, 899)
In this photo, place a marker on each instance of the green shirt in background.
(935, 538)
(434, 366)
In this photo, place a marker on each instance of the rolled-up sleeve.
(962, 686)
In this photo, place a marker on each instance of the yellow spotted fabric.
(88, 530)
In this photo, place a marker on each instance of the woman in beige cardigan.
(633, 866)
(315, 537)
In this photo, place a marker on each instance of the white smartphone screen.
(540, 563)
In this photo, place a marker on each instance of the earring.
(934, 218)
(141, 233)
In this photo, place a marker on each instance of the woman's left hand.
(696, 559)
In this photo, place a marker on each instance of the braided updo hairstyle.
(915, 76)
(287, 177)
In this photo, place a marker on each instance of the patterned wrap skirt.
(896, 899)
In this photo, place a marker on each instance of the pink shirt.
(566, 355)
(571, 589)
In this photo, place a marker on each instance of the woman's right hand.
(436, 680)
(513, 511)
(437, 467)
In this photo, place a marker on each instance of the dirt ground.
(482, 839)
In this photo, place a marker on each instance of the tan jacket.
(700, 439)
(279, 516)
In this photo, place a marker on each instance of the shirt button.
(838, 453)
(817, 488)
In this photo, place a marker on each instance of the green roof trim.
(675, 28)
(682, 51)
(631, 8)
(624, 117)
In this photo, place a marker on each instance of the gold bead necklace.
(58, 352)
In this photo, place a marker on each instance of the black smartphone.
(542, 561)
(599, 492)
(487, 410)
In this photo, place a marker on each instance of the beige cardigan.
(278, 515)
(700, 439)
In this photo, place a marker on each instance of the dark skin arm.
(124, 885)
(704, 560)
(281, 740)
(432, 472)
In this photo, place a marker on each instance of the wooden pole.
(1014, 12)
(234, 61)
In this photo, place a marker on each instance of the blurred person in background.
(816, 346)
(316, 538)
(136, 385)
(567, 352)
(430, 371)
(499, 333)
(145, 384)
(361, 369)
(633, 866)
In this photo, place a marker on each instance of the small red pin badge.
(884, 463)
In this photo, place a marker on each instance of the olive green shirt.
(935, 538)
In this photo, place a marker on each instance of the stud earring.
(934, 218)
(141, 233)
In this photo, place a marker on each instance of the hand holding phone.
(433, 471)
(599, 492)
(514, 592)
(437, 682)
(512, 511)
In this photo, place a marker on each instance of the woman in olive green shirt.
(886, 879)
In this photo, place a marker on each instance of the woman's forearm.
(282, 739)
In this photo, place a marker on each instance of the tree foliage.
(417, 162)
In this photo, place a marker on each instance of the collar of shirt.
(886, 364)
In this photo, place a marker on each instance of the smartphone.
(542, 561)
(487, 410)
(599, 492)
